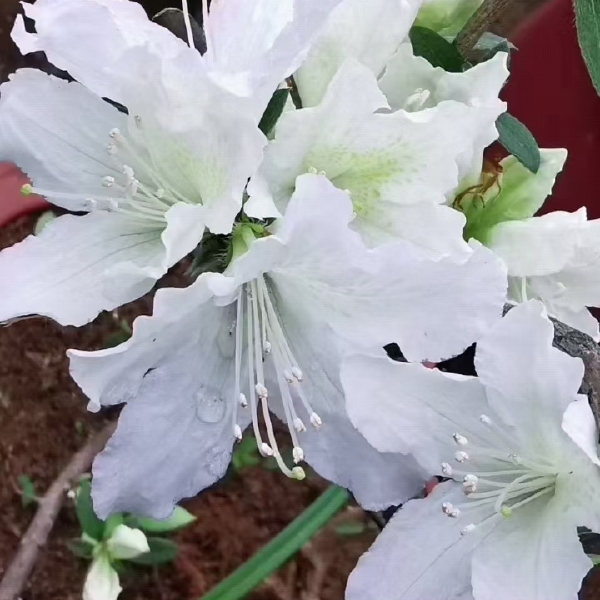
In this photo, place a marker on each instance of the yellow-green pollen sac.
(509, 482)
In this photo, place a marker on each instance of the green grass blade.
(277, 552)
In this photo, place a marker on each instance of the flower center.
(509, 481)
(264, 340)
(136, 186)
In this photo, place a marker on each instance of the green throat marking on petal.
(364, 175)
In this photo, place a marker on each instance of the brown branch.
(15, 576)
(489, 12)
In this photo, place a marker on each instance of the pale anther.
(447, 508)
(299, 425)
(470, 528)
(446, 469)
(461, 440)
(114, 133)
(298, 454)
(297, 373)
(288, 376)
(243, 400)
(315, 420)
(266, 450)
(261, 391)
(237, 432)
(312, 170)
(111, 149)
(267, 346)
(108, 181)
(506, 511)
(461, 456)
(485, 419)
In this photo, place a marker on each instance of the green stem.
(278, 551)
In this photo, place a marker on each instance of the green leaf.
(436, 49)
(81, 548)
(43, 220)
(28, 494)
(161, 551)
(178, 520)
(277, 552)
(519, 141)
(587, 14)
(273, 111)
(90, 523)
(246, 453)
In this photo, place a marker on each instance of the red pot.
(551, 92)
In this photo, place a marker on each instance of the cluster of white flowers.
(364, 218)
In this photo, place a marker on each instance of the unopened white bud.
(297, 373)
(470, 528)
(243, 400)
(298, 473)
(266, 450)
(315, 420)
(298, 454)
(446, 469)
(237, 432)
(261, 391)
(461, 440)
(461, 456)
(299, 425)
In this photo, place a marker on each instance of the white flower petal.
(125, 543)
(421, 554)
(337, 451)
(78, 266)
(579, 424)
(88, 39)
(408, 408)
(253, 46)
(521, 370)
(57, 133)
(176, 375)
(349, 33)
(102, 581)
(375, 297)
(581, 319)
(533, 555)
(539, 245)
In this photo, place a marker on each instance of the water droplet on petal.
(209, 408)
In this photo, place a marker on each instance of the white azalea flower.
(368, 32)
(102, 581)
(520, 447)
(269, 335)
(149, 183)
(447, 17)
(554, 258)
(413, 84)
(252, 45)
(396, 167)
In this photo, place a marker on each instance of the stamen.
(470, 528)
(315, 420)
(461, 440)
(446, 469)
(461, 456)
(265, 449)
(298, 454)
(243, 400)
(237, 432)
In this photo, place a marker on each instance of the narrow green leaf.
(436, 49)
(277, 552)
(90, 523)
(28, 493)
(178, 520)
(587, 14)
(351, 529)
(161, 551)
(81, 548)
(519, 141)
(273, 110)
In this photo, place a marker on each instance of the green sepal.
(91, 525)
(161, 551)
(81, 548)
(518, 141)
(436, 49)
(28, 492)
(274, 110)
(178, 520)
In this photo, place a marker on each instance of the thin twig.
(17, 573)
(489, 12)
